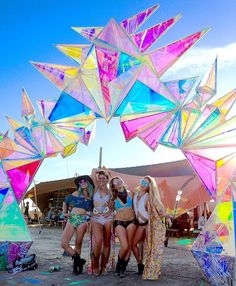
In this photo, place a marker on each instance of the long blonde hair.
(154, 196)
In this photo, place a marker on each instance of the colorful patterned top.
(79, 202)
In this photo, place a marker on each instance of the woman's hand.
(168, 221)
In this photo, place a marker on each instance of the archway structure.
(117, 75)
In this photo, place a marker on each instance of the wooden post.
(36, 202)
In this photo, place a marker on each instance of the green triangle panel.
(218, 269)
(12, 223)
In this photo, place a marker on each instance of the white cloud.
(197, 60)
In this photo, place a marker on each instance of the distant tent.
(170, 177)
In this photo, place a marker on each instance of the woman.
(153, 210)
(81, 203)
(101, 224)
(140, 203)
(124, 223)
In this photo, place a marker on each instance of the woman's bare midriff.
(78, 211)
(124, 214)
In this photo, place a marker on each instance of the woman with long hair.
(80, 203)
(154, 230)
(124, 222)
(140, 204)
(101, 223)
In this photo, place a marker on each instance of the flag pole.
(100, 158)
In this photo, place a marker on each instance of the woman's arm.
(65, 209)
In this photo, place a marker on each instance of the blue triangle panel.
(3, 192)
(142, 94)
(67, 106)
(125, 63)
(218, 269)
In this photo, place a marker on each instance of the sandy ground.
(179, 266)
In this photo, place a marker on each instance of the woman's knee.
(107, 242)
(64, 244)
(125, 248)
(97, 240)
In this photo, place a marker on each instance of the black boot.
(118, 266)
(123, 268)
(76, 260)
(140, 268)
(82, 261)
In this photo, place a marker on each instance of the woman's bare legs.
(130, 231)
(106, 245)
(97, 231)
(80, 232)
(66, 238)
(122, 236)
(138, 237)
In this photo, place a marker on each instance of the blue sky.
(29, 29)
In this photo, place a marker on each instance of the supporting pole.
(100, 158)
(36, 202)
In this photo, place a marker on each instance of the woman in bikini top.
(81, 203)
(124, 223)
(101, 224)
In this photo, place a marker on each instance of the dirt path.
(179, 266)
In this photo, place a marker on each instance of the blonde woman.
(151, 215)
(140, 204)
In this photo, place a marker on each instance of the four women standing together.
(135, 218)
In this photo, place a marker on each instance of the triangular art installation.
(15, 239)
(214, 249)
(119, 74)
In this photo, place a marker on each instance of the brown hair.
(99, 173)
(113, 190)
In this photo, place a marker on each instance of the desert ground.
(179, 266)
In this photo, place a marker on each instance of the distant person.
(124, 222)
(35, 215)
(26, 213)
(201, 222)
(184, 223)
(81, 202)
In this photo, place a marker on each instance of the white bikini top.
(101, 199)
(139, 207)
(102, 203)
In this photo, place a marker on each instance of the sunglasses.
(144, 183)
(117, 182)
(82, 182)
